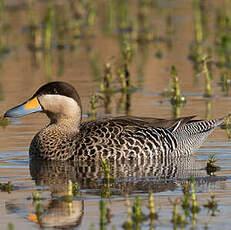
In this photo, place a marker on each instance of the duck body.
(119, 138)
(66, 137)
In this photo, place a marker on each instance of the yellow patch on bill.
(33, 218)
(32, 104)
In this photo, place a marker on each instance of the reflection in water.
(64, 210)
(59, 213)
(157, 174)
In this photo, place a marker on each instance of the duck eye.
(55, 91)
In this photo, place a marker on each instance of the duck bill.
(28, 107)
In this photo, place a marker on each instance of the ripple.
(14, 160)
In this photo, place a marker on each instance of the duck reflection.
(60, 212)
(157, 174)
(136, 173)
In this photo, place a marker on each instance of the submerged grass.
(184, 209)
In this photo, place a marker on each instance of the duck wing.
(172, 124)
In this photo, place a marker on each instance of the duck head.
(59, 100)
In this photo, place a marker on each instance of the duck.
(67, 137)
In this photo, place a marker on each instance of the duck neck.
(70, 125)
(63, 111)
(57, 141)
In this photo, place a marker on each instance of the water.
(79, 59)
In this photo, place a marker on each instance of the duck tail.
(193, 134)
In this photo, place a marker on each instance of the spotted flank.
(67, 137)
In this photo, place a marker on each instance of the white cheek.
(60, 104)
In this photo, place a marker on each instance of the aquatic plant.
(212, 205)
(4, 122)
(175, 214)
(174, 88)
(225, 82)
(48, 65)
(196, 48)
(123, 21)
(138, 215)
(108, 178)
(48, 27)
(34, 31)
(208, 78)
(123, 69)
(170, 30)
(223, 35)
(36, 217)
(10, 226)
(106, 167)
(178, 219)
(4, 31)
(151, 206)
(106, 84)
(75, 189)
(36, 196)
(186, 199)
(211, 166)
(106, 87)
(128, 223)
(145, 31)
(227, 126)
(136, 218)
(68, 197)
(196, 55)
(87, 9)
(124, 103)
(194, 208)
(173, 92)
(208, 109)
(198, 21)
(6, 187)
(108, 215)
(103, 213)
(110, 16)
(94, 100)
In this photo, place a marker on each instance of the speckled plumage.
(121, 138)
(68, 138)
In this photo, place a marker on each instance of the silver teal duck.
(67, 137)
